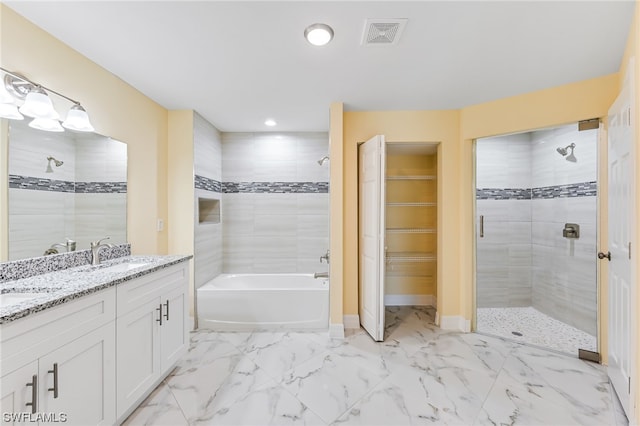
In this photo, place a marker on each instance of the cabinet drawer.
(42, 332)
(132, 294)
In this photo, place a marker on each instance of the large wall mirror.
(64, 186)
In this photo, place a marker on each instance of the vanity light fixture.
(38, 105)
(318, 34)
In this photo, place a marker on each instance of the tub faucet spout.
(321, 275)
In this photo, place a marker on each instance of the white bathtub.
(242, 302)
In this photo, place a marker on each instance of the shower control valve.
(325, 257)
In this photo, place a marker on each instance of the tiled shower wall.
(503, 176)
(523, 259)
(207, 153)
(84, 199)
(564, 270)
(275, 204)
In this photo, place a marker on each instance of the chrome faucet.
(325, 257)
(96, 246)
(69, 245)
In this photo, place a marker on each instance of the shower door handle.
(481, 226)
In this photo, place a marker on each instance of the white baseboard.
(336, 331)
(351, 321)
(410, 300)
(453, 322)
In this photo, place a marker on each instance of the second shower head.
(323, 160)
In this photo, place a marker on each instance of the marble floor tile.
(418, 375)
(267, 405)
(160, 408)
(329, 384)
(276, 353)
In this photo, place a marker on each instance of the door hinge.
(590, 124)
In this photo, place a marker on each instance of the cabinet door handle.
(481, 226)
(55, 380)
(159, 309)
(34, 394)
(166, 314)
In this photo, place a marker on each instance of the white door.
(371, 194)
(620, 227)
(79, 379)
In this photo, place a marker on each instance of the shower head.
(58, 163)
(323, 160)
(563, 151)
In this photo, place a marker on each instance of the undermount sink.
(8, 299)
(123, 267)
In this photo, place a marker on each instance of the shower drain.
(516, 333)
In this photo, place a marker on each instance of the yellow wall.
(181, 193)
(116, 109)
(633, 51)
(406, 126)
(336, 222)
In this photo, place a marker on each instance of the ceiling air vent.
(382, 32)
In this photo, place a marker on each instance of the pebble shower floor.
(535, 328)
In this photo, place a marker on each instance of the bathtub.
(242, 302)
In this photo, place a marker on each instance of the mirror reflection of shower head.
(57, 163)
(323, 160)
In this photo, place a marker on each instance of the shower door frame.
(600, 143)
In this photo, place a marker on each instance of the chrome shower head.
(323, 160)
(58, 163)
(563, 151)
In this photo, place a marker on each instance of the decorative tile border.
(584, 189)
(503, 194)
(101, 187)
(275, 187)
(208, 184)
(572, 190)
(25, 268)
(40, 184)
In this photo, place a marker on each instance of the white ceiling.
(238, 63)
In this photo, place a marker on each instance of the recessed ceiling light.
(318, 34)
(270, 122)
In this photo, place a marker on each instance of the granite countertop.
(56, 288)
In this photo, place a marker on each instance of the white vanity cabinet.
(59, 364)
(152, 332)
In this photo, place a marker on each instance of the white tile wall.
(207, 152)
(274, 232)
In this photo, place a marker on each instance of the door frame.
(601, 320)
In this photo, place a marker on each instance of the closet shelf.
(415, 177)
(411, 256)
(411, 230)
(411, 204)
